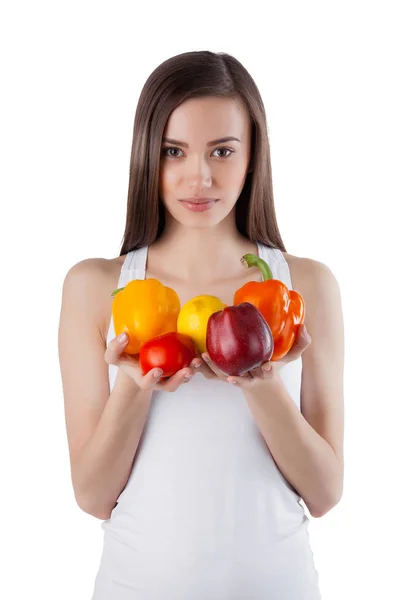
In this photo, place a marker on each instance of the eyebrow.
(213, 143)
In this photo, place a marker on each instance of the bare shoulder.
(310, 276)
(95, 279)
(320, 289)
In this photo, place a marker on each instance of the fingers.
(172, 383)
(200, 367)
(115, 349)
(196, 363)
(264, 371)
(114, 355)
(303, 340)
(183, 376)
(150, 380)
(212, 366)
(129, 364)
(211, 370)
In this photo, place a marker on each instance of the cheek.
(232, 176)
(168, 179)
(233, 181)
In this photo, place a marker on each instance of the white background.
(71, 76)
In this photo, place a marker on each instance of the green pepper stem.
(251, 260)
(115, 292)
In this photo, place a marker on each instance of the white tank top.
(206, 513)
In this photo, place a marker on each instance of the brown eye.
(224, 150)
(166, 150)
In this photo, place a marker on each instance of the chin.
(199, 220)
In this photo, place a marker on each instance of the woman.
(199, 484)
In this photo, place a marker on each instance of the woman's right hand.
(115, 355)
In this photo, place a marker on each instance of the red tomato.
(170, 352)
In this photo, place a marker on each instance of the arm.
(305, 459)
(103, 429)
(308, 446)
(102, 467)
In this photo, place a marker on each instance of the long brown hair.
(193, 75)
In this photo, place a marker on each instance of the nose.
(199, 176)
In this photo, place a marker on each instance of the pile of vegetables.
(260, 325)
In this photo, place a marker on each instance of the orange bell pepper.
(283, 309)
(144, 308)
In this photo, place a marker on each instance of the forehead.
(208, 118)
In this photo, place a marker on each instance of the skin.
(211, 237)
(198, 241)
(199, 253)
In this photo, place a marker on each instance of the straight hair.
(194, 75)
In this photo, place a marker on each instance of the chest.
(224, 289)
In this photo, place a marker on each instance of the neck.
(204, 255)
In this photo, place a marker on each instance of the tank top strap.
(134, 266)
(277, 263)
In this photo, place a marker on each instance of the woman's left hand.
(267, 371)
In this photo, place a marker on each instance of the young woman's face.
(194, 166)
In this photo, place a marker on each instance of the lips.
(202, 205)
(198, 200)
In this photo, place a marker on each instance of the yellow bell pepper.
(193, 318)
(144, 308)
